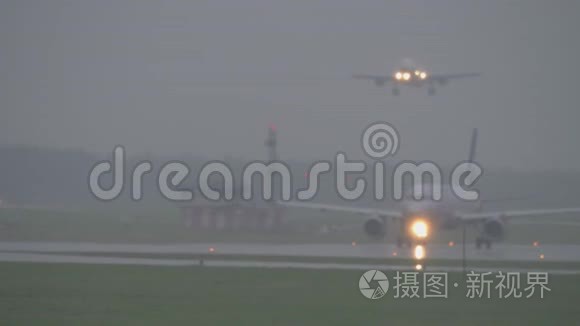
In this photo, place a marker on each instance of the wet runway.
(499, 252)
(96, 260)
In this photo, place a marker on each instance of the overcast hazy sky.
(207, 77)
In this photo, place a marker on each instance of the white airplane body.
(419, 217)
(415, 77)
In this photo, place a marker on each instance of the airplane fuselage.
(441, 214)
(412, 77)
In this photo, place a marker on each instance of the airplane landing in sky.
(412, 76)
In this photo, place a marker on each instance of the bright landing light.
(420, 229)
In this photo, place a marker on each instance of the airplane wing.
(550, 223)
(395, 214)
(374, 78)
(518, 213)
(445, 78)
(346, 209)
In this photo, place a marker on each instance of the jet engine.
(493, 228)
(375, 227)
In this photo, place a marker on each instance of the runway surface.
(95, 260)
(499, 252)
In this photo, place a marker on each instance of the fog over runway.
(499, 252)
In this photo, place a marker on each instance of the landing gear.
(396, 91)
(482, 241)
(431, 91)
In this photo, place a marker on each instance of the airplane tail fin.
(473, 146)
(490, 200)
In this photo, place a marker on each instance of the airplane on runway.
(419, 218)
(410, 75)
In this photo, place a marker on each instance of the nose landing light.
(419, 229)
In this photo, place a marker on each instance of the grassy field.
(166, 226)
(36, 294)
